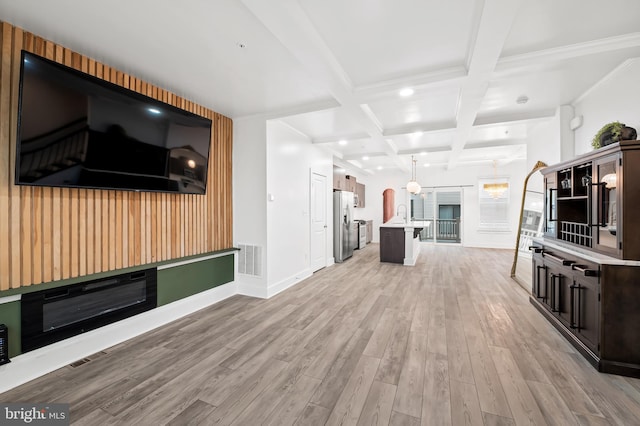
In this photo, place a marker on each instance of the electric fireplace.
(52, 315)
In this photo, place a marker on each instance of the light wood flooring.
(452, 340)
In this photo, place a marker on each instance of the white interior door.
(318, 210)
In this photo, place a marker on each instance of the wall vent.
(250, 260)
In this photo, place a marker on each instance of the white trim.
(604, 79)
(338, 137)
(9, 299)
(562, 53)
(199, 259)
(253, 290)
(282, 285)
(39, 362)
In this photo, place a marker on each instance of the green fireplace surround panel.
(174, 283)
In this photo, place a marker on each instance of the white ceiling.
(333, 69)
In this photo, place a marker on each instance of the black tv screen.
(76, 130)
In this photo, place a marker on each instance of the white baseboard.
(39, 362)
(288, 282)
(253, 290)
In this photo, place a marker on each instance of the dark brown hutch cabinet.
(586, 268)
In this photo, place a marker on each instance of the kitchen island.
(400, 241)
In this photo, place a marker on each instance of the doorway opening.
(443, 209)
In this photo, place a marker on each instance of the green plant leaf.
(615, 127)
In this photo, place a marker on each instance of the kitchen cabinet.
(360, 194)
(567, 288)
(339, 179)
(350, 184)
(586, 307)
(392, 245)
(551, 284)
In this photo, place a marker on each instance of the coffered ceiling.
(334, 69)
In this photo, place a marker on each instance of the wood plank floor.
(452, 340)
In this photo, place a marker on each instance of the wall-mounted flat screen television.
(76, 130)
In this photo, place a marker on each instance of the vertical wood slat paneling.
(29, 256)
(17, 244)
(5, 107)
(56, 233)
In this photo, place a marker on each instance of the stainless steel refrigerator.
(342, 225)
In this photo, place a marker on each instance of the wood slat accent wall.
(48, 234)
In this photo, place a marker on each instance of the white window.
(493, 200)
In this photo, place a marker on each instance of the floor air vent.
(250, 260)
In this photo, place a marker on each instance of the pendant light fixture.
(495, 189)
(413, 186)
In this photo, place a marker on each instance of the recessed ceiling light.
(418, 133)
(379, 167)
(407, 91)
(427, 164)
(423, 153)
(365, 158)
(153, 110)
(342, 142)
(241, 45)
(522, 100)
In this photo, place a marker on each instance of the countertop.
(601, 259)
(411, 224)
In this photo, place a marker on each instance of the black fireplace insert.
(52, 315)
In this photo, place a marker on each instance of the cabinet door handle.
(600, 207)
(578, 325)
(553, 304)
(587, 272)
(572, 322)
(565, 262)
(538, 268)
(551, 219)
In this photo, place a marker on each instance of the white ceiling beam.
(292, 27)
(350, 166)
(496, 143)
(408, 129)
(496, 19)
(514, 118)
(359, 156)
(418, 151)
(338, 138)
(427, 81)
(527, 60)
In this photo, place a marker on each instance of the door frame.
(328, 209)
(435, 191)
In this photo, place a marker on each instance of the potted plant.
(611, 133)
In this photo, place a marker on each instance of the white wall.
(250, 196)
(615, 98)
(290, 157)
